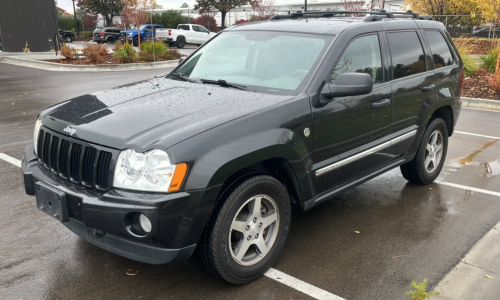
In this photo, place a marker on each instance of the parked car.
(185, 33)
(106, 35)
(265, 116)
(66, 36)
(147, 31)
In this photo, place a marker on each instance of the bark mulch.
(478, 46)
(477, 86)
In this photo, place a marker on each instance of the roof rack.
(373, 15)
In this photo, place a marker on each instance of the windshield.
(270, 62)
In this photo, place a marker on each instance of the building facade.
(27, 24)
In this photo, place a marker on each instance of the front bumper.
(101, 217)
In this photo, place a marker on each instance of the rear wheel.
(110, 40)
(181, 42)
(247, 231)
(68, 39)
(429, 160)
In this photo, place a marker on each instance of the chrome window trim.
(365, 153)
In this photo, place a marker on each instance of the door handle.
(428, 88)
(381, 103)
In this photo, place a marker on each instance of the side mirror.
(348, 84)
(182, 59)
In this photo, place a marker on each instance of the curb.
(480, 103)
(61, 67)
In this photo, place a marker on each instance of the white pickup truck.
(184, 34)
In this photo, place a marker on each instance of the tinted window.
(203, 29)
(196, 28)
(361, 56)
(441, 53)
(184, 27)
(407, 54)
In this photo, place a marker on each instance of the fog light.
(145, 223)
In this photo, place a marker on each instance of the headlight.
(149, 171)
(38, 124)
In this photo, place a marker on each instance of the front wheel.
(247, 231)
(429, 160)
(68, 39)
(135, 41)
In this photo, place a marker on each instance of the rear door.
(446, 65)
(344, 140)
(413, 86)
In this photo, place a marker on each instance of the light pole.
(74, 13)
(305, 6)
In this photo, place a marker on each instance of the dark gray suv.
(263, 117)
(106, 35)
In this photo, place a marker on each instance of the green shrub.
(86, 34)
(419, 293)
(125, 53)
(489, 61)
(160, 47)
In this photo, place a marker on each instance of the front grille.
(75, 160)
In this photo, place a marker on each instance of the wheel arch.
(444, 112)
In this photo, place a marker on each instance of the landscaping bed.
(477, 46)
(122, 54)
(478, 86)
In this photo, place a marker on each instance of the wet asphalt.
(406, 232)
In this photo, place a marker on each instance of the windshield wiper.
(182, 76)
(222, 82)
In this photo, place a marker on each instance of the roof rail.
(373, 15)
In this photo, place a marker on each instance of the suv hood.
(156, 113)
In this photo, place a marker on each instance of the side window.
(184, 27)
(407, 54)
(361, 56)
(441, 53)
(196, 28)
(203, 29)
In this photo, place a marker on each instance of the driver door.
(348, 129)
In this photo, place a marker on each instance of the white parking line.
(274, 274)
(301, 286)
(10, 159)
(475, 134)
(464, 187)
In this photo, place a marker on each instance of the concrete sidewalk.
(477, 276)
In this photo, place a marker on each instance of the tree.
(262, 9)
(490, 10)
(357, 5)
(107, 8)
(185, 5)
(446, 7)
(169, 19)
(224, 6)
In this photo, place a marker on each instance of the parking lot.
(368, 243)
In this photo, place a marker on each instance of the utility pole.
(74, 13)
(305, 6)
(383, 5)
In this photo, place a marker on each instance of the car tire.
(135, 42)
(429, 160)
(181, 42)
(68, 39)
(247, 230)
(98, 43)
(110, 40)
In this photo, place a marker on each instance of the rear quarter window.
(441, 53)
(407, 54)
